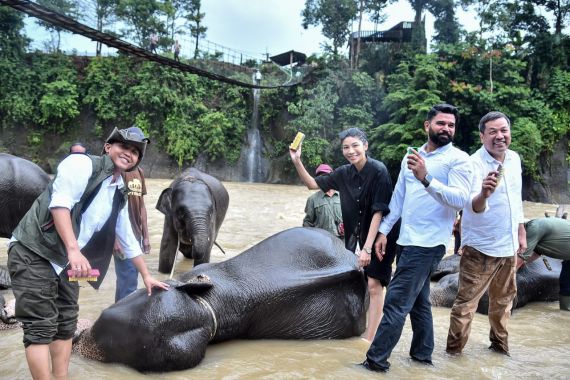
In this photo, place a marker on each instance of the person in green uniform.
(322, 209)
(550, 237)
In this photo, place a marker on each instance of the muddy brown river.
(539, 332)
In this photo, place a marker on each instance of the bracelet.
(367, 250)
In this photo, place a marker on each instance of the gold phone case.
(297, 141)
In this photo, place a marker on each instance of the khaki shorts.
(46, 303)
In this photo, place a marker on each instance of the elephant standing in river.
(535, 283)
(194, 207)
(298, 284)
(21, 182)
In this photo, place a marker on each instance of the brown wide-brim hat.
(133, 136)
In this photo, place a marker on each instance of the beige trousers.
(477, 273)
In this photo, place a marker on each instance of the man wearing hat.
(69, 230)
(322, 209)
(126, 273)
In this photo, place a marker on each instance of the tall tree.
(374, 8)
(104, 13)
(194, 20)
(65, 7)
(334, 16)
(142, 19)
(13, 41)
(446, 27)
(561, 11)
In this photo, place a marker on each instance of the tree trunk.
(361, 10)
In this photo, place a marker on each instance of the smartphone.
(297, 141)
(410, 151)
(501, 171)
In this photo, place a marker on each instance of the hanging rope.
(57, 19)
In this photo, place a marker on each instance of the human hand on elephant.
(150, 282)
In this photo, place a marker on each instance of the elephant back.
(22, 182)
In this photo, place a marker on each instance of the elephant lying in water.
(535, 283)
(298, 284)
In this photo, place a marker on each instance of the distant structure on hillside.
(289, 58)
(400, 33)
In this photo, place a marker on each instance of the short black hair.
(77, 143)
(353, 132)
(493, 115)
(443, 108)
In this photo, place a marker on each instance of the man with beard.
(432, 186)
(493, 231)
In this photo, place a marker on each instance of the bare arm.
(522, 239)
(363, 256)
(149, 281)
(373, 230)
(62, 222)
(307, 179)
(145, 236)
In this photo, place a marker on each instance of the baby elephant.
(194, 206)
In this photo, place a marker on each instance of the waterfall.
(253, 160)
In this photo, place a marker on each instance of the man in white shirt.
(70, 229)
(492, 232)
(432, 186)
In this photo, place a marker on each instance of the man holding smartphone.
(492, 233)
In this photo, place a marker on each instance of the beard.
(439, 139)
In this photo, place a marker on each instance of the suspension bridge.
(220, 63)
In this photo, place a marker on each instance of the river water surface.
(539, 332)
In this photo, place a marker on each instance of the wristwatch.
(367, 250)
(427, 180)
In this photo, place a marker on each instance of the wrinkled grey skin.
(194, 206)
(298, 284)
(21, 182)
(535, 283)
(5, 281)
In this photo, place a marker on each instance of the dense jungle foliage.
(518, 62)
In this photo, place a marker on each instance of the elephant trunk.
(202, 237)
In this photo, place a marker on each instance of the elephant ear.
(196, 284)
(163, 204)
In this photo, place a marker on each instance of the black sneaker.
(373, 366)
(422, 361)
(493, 347)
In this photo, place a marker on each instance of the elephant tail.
(220, 247)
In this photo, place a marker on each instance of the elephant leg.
(168, 247)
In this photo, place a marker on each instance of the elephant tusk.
(220, 247)
(211, 310)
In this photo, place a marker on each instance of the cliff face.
(553, 186)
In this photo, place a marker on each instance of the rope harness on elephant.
(211, 310)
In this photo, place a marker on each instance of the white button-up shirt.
(494, 231)
(428, 213)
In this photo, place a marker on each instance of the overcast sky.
(259, 26)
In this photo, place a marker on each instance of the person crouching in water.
(71, 226)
